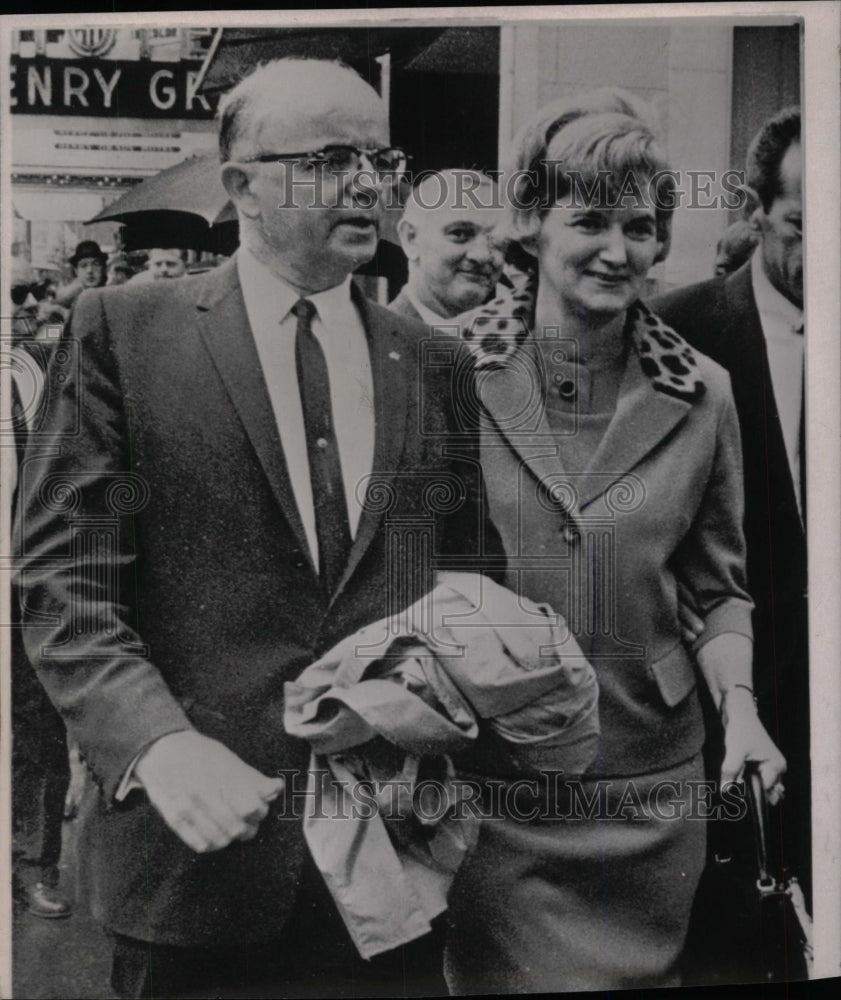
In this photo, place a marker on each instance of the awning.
(460, 50)
(241, 49)
(43, 205)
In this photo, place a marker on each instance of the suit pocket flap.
(674, 674)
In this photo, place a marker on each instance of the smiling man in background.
(447, 233)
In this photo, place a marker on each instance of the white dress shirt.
(339, 330)
(782, 325)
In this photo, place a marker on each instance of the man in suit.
(40, 766)
(207, 514)
(447, 234)
(751, 322)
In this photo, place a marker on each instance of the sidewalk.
(67, 959)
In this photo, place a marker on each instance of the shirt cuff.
(129, 781)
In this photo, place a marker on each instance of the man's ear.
(753, 208)
(408, 232)
(529, 244)
(236, 179)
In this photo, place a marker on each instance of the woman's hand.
(746, 739)
(691, 623)
(725, 662)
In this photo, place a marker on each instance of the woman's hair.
(599, 144)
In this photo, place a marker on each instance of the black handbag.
(747, 924)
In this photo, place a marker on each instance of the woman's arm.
(725, 662)
(711, 564)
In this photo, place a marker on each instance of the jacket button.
(298, 560)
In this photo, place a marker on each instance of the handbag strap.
(759, 819)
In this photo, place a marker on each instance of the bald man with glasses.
(252, 471)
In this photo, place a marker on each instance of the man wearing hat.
(88, 263)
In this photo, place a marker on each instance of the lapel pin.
(394, 355)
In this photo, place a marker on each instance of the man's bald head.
(448, 235)
(292, 91)
(453, 190)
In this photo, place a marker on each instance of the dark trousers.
(40, 771)
(314, 958)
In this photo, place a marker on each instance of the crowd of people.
(242, 471)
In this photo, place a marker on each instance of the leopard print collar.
(494, 332)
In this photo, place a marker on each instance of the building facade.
(95, 111)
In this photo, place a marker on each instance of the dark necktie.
(328, 491)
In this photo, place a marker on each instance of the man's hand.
(746, 739)
(691, 625)
(205, 793)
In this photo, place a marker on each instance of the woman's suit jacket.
(661, 500)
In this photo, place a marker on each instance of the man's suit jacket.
(164, 563)
(720, 318)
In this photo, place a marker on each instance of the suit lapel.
(741, 317)
(644, 417)
(748, 361)
(223, 323)
(753, 387)
(512, 395)
(391, 393)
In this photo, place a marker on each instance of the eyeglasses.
(39, 290)
(340, 159)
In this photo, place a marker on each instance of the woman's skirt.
(594, 894)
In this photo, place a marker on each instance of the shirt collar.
(769, 301)
(426, 314)
(333, 304)
(269, 298)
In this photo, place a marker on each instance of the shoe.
(44, 901)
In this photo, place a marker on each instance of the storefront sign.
(111, 149)
(107, 88)
(91, 41)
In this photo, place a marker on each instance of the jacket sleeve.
(711, 559)
(76, 557)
